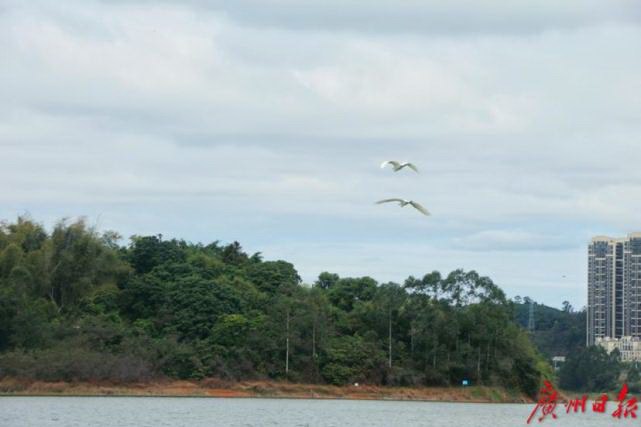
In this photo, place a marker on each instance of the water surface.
(168, 411)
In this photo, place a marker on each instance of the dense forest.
(562, 333)
(75, 304)
(556, 332)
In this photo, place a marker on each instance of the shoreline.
(260, 389)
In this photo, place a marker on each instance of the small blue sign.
(466, 382)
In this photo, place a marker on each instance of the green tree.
(74, 304)
(326, 280)
(147, 252)
(590, 369)
(269, 276)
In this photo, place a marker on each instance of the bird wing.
(413, 167)
(389, 200)
(390, 162)
(420, 208)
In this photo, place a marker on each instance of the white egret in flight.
(398, 165)
(403, 203)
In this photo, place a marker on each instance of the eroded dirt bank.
(217, 388)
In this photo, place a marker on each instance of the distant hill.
(556, 332)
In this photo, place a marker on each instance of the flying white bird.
(403, 203)
(398, 165)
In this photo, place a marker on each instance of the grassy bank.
(216, 388)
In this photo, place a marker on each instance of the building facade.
(614, 289)
(629, 347)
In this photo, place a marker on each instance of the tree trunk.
(287, 346)
(487, 359)
(314, 340)
(389, 362)
(435, 350)
(412, 339)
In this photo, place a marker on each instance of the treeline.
(556, 332)
(562, 333)
(75, 305)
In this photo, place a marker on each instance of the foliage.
(590, 369)
(557, 332)
(74, 304)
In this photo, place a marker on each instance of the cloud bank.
(265, 122)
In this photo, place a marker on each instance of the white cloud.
(432, 17)
(266, 122)
(509, 240)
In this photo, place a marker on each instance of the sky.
(266, 121)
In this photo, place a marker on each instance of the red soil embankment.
(270, 389)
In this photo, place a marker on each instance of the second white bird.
(403, 203)
(399, 165)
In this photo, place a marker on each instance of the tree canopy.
(75, 304)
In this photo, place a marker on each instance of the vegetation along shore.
(80, 309)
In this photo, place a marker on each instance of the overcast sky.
(266, 121)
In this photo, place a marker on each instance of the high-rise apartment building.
(614, 288)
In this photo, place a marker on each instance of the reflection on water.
(164, 411)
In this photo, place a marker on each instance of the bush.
(74, 364)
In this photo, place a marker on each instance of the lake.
(167, 411)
